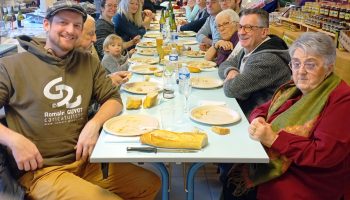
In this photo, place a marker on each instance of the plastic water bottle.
(173, 62)
(184, 79)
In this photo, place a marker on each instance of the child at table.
(113, 59)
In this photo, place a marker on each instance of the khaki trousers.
(83, 181)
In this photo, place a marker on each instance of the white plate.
(143, 87)
(147, 52)
(147, 44)
(187, 33)
(214, 115)
(195, 54)
(145, 69)
(154, 27)
(153, 35)
(203, 82)
(187, 42)
(147, 60)
(130, 125)
(202, 64)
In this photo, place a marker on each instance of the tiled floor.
(207, 185)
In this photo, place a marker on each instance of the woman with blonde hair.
(128, 20)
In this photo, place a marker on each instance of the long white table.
(235, 147)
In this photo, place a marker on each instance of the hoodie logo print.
(58, 95)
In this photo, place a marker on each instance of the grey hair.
(229, 13)
(263, 16)
(124, 9)
(316, 43)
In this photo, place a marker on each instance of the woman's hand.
(136, 39)
(225, 45)
(261, 131)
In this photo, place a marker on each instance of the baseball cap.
(65, 5)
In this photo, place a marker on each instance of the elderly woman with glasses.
(305, 130)
(226, 23)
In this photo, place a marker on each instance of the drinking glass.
(186, 92)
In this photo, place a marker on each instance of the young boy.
(113, 60)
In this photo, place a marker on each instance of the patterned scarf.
(299, 119)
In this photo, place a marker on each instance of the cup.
(159, 41)
(167, 118)
(180, 47)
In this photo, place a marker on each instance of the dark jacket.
(125, 28)
(195, 25)
(103, 29)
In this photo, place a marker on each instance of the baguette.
(169, 139)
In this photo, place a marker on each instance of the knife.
(156, 150)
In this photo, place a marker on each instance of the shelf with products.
(301, 26)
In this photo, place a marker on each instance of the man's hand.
(225, 45)
(261, 131)
(120, 77)
(87, 140)
(231, 75)
(25, 152)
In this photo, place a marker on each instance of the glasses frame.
(225, 24)
(248, 28)
(111, 5)
(308, 66)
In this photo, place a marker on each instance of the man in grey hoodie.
(260, 67)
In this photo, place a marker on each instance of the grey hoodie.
(264, 71)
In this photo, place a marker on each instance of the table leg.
(165, 179)
(190, 179)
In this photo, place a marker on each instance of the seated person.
(300, 129)
(105, 27)
(199, 19)
(128, 20)
(51, 145)
(191, 10)
(226, 21)
(113, 60)
(232, 4)
(152, 5)
(260, 67)
(209, 27)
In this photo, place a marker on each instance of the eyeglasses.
(210, 2)
(224, 25)
(308, 65)
(112, 5)
(222, 1)
(248, 28)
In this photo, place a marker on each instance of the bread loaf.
(133, 103)
(169, 139)
(220, 130)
